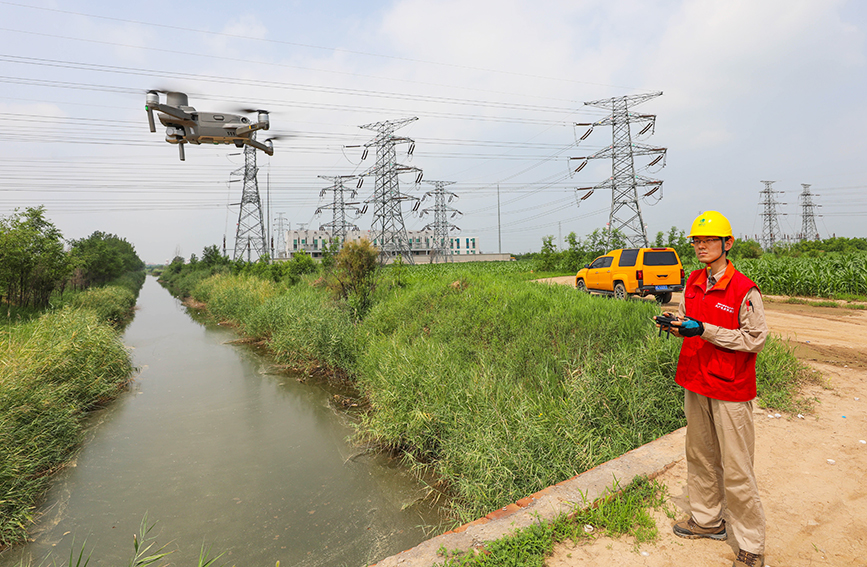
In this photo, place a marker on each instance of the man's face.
(707, 248)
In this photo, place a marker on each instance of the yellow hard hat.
(711, 223)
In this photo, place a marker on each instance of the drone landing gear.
(181, 151)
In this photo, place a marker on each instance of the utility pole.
(770, 224)
(440, 225)
(250, 235)
(499, 230)
(338, 225)
(388, 227)
(808, 217)
(625, 216)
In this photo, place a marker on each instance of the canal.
(217, 448)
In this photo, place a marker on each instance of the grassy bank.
(499, 386)
(53, 369)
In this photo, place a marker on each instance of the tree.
(32, 260)
(103, 257)
(211, 257)
(548, 257)
(355, 271)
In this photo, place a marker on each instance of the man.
(722, 321)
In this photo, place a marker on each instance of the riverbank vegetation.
(60, 350)
(498, 385)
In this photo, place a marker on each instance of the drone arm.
(170, 110)
(244, 130)
(260, 146)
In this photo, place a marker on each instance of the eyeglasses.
(703, 241)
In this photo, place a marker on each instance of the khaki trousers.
(720, 452)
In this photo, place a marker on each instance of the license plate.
(662, 288)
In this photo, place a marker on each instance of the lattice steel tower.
(250, 236)
(808, 217)
(770, 225)
(281, 236)
(388, 227)
(441, 214)
(338, 226)
(625, 215)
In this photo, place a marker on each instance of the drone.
(185, 125)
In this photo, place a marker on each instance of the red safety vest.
(705, 368)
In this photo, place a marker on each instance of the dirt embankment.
(812, 469)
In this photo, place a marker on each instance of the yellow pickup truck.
(634, 271)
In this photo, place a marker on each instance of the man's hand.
(678, 327)
(689, 327)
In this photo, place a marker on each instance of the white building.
(420, 242)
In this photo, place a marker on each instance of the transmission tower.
(770, 225)
(339, 225)
(250, 236)
(281, 237)
(440, 225)
(625, 216)
(388, 227)
(808, 217)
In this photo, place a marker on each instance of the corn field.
(832, 275)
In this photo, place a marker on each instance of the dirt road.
(812, 470)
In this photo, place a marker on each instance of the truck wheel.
(581, 286)
(619, 291)
(663, 298)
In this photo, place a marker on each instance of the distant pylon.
(770, 225)
(250, 236)
(625, 215)
(808, 217)
(281, 236)
(388, 228)
(440, 250)
(338, 226)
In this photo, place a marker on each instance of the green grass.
(623, 512)
(52, 370)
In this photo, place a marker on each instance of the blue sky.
(753, 90)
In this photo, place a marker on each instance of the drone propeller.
(248, 110)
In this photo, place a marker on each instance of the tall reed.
(52, 370)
